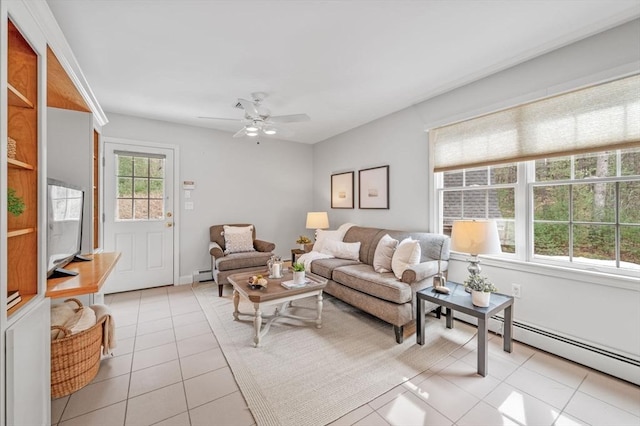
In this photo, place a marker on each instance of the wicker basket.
(75, 359)
(12, 148)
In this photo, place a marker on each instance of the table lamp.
(317, 220)
(475, 237)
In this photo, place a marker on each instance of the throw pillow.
(407, 254)
(238, 239)
(384, 253)
(342, 250)
(326, 236)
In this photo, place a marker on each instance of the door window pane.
(141, 209)
(125, 209)
(141, 166)
(140, 192)
(141, 188)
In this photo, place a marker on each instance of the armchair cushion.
(238, 239)
(250, 259)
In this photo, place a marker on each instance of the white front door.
(138, 208)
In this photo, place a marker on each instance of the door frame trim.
(176, 192)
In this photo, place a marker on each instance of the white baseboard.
(186, 279)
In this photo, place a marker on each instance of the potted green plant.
(481, 289)
(298, 273)
(302, 240)
(15, 204)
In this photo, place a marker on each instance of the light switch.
(187, 194)
(188, 206)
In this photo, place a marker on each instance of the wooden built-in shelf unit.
(22, 172)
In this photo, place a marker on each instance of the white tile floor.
(169, 370)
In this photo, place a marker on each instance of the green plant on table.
(298, 267)
(15, 204)
(479, 283)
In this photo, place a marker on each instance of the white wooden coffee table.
(275, 294)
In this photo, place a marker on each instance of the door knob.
(169, 214)
(169, 224)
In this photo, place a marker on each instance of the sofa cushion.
(242, 260)
(342, 250)
(407, 253)
(238, 239)
(325, 267)
(384, 254)
(363, 278)
(323, 236)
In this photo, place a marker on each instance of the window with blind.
(561, 177)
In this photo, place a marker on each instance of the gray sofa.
(382, 294)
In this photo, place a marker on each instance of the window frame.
(525, 219)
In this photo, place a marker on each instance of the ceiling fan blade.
(240, 133)
(291, 118)
(225, 119)
(249, 107)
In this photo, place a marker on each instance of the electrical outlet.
(516, 291)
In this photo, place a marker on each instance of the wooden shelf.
(18, 232)
(24, 301)
(18, 99)
(19, 164)
(91, 276)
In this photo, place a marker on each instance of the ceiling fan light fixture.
(252, 134)
(252, 128)
(269, 131)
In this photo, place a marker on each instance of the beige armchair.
(224, 264)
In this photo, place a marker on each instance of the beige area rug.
(302, 375)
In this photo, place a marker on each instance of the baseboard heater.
(606, 361)
(202, 276)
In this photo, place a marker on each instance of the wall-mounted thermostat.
(188, 184)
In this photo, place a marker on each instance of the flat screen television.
(64, 226)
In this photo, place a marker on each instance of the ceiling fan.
(258, 119)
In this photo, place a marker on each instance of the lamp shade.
(317, 220)
(475, 237)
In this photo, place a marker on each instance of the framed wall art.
(374, 188)
(342, 190)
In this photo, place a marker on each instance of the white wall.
(602, 311)
(237, 181)
(69, 159)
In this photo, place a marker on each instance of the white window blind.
(586, 120)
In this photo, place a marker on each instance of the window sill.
(591, 277)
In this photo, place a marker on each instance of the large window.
(581, 210)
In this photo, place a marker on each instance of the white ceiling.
(344, 63)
